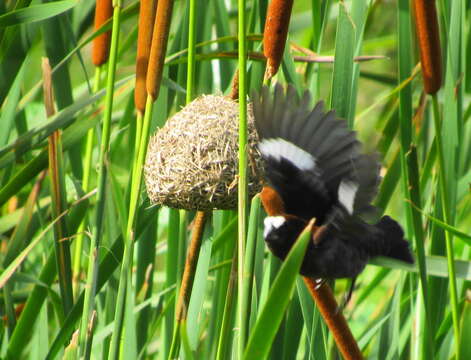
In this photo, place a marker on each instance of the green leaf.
(265, 329)
(36, 13)
(435, 265)
(466, 329)
(343, 65)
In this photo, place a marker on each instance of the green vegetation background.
(397, 311)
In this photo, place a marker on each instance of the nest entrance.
(192, 161)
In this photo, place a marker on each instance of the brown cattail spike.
(426, 24)
(144, 40)
(101, 44)
(159, 47)
(275, 33)
(190, 265)
(334, 319)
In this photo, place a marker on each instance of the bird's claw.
(319, 282)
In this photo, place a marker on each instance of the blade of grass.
(87, 167)
(343, 65)
(446, 201)
(359, 13)
(110, 262)
(409, 167)
(34, 13)
(249, 267)
(465, 348)
(15, 245)
(228, 312)
(293, 330)
(37, 296)
(273, 310)
(56, 48)
(435, 265)
(9, 109)
(242, 172)
(145, 280)
(194, 324)
(450, 137)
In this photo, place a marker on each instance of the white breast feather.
(271, 223)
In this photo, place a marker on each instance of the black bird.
(314, 169)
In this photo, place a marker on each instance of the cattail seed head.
(275, 34)
(159, 46)
(144, 40)
(101, 44)
(426, 24)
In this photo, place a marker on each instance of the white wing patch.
(346, 194)
(272, 223)
(279, 148)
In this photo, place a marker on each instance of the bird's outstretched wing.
(312, 159)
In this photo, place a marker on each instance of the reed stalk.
(87, 167)
(103, 163)
(448, 236)
(242, 173)
(153, 81)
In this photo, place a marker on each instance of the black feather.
(314, 163)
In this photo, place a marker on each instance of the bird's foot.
(319, 282)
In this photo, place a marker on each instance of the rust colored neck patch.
(272, 202)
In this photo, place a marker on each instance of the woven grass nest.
(192, 161)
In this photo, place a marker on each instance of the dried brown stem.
(144, 41)
(255, 55)
(428, 35)
(275, 33)
(334, 319)
(190, 265)
(158, 48)
(62, 243)
(101, 44)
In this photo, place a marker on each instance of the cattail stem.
(101, 44)
(334, 319)
(153, 81)
(275, 34)
(191, 51)
(455, 314)
(428, 33)
(100, 54)
(201, 216)
(87, 167)
(103, 163)
(242, 173)
(144, 41)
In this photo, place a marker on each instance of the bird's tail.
(396, 246)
